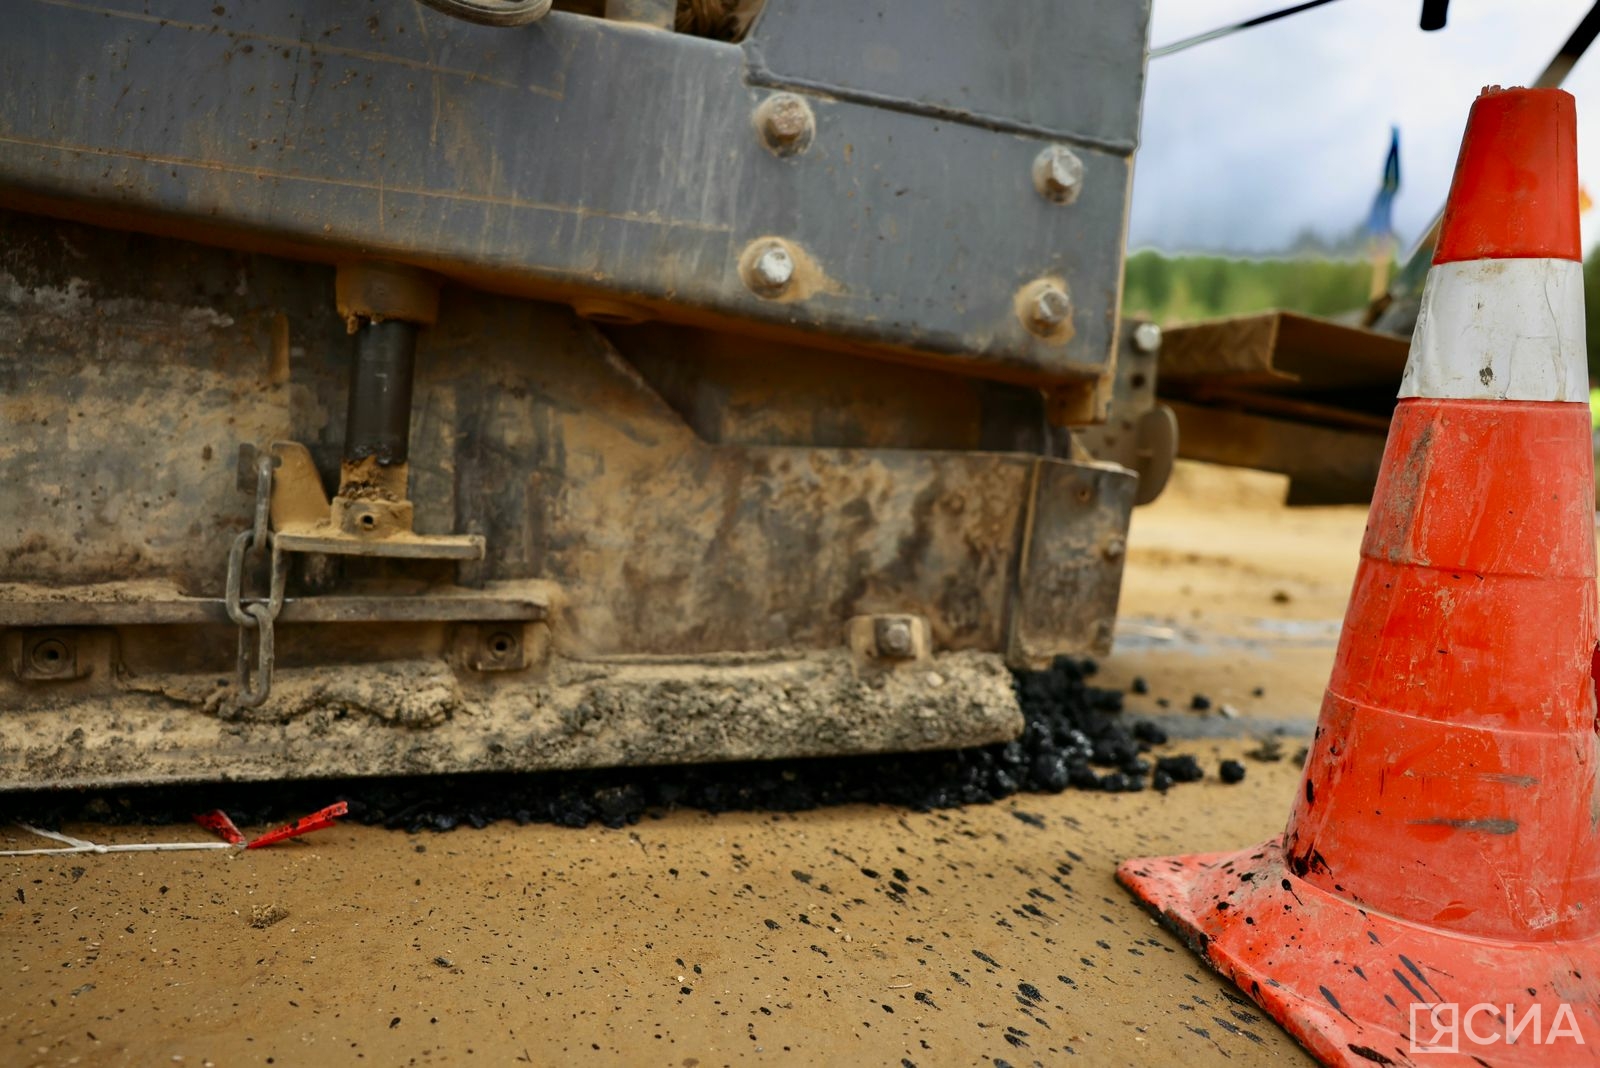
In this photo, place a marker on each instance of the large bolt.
(1047, 310)
(1058, 175)
(770, 268)
(786, 123)
(1147, 337)
(894, 639)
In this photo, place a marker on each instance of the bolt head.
(772, 269)
(1044, 308)
(786, 119)
(786, 123)
(894, 638)
(1147, 337)
(1058, 174)
(1050, 308)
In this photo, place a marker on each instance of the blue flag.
(1380, 221)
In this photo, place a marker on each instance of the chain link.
(265, 657)
(256, 616)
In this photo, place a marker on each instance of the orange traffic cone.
(1438, 887)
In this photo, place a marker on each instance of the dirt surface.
(1227, 591)
(986, 934)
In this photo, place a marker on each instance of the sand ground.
(986, 935)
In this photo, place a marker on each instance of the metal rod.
(1561, 64)
(418, 608)
(379, 420)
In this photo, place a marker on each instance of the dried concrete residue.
(321, 722)
(794, 710)
(401, 694)
(135, 591)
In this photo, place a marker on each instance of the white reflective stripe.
(1500, 330)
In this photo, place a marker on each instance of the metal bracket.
(303, 519)
(889, 639)
(1138, 432)
(294, 515)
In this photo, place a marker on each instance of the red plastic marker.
(217, 822)
(304, 825)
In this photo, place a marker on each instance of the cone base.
(1343, 980)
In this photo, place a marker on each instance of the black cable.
(1227, 31)
(1578, 42)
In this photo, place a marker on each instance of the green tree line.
(1179, 289)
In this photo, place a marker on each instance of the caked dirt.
(980, 935)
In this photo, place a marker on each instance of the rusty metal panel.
(645, 594)
(1076, 543)
(1325, 465)
(1241, 349)
(129, 398)
(793, 395)
(579, 159)
(1283, 351)
(125, 393)
(1284, 392)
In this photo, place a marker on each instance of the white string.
(79, 845)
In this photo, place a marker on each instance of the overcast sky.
(1250, 139)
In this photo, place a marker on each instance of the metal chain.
(250, 696)
(256, 616)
